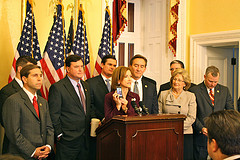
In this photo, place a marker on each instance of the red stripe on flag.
(47, 71)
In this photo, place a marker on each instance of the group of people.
(31, 123)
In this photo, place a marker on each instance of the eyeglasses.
(179, 80)
(172, 69)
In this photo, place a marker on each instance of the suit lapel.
(68, 85)
(86, 97)
(41, 114)
(28, 103)
(216, 95)
(41, 109)
(102, 84)
(16, 86)
(144, 88)
(205, 93)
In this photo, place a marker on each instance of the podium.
(150, 137)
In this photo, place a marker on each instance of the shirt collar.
(19, 82)
(105, 78)
(29, 94)
(74, 83)
(139, 80)
(232, 157)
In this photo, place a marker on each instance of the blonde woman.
(178, 100)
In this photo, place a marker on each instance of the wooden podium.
(150, 137)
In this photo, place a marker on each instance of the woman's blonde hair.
(185, 76)
(118, 75)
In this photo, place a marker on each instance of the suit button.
(178, 112)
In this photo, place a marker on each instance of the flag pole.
(107, 9)
(31, 3)
(64, 52)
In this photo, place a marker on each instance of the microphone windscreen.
(133, 103)
(141, 103)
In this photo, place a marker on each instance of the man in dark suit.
(143, 86)
(27, 120)
(210, 97)
(101, 85)
(13, 87)
(69, 104)
(223, 138)
(175, 64)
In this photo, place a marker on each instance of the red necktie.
(82, 97)
(211, 96)
(35, 105)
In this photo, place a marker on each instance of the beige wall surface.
(10, 28)
(206, 16)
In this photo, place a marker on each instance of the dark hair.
(224, 127)
(25, 71)
(138, 56)
(177, 62)
(72, 58)
(23, 60)
(118, 74)
(105, 58)
(214, 71)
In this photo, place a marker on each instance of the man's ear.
(19, 68)
(214, 145)
(24, 79)
(101, 65)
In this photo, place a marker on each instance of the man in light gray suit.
(27, 120)
(210, 97)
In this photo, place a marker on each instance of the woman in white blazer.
(178, 100)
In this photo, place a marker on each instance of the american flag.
(70, 37)
(28, 44)
(54, 54)
(80, 44)
(106, 47)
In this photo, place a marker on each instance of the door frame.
(198, 51)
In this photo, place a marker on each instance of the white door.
(221, 58)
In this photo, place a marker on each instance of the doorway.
(220, 49)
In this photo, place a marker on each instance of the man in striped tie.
(210, 97)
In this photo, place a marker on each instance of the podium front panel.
(141, 138)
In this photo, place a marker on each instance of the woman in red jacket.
(116, 104)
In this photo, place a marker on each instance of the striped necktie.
(82, 97)
(211, 96)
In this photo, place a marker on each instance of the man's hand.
(41, 152)
(204, 131)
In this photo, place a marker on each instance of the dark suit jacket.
(150, 95)
(67, 112)
(111, 109)
(24, 129)
(167, 86)
(98, 90)
(6, 91)
(222, 100)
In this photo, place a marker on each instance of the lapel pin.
(217, 91)
(40, 104)
(85, 90)
(145, 86)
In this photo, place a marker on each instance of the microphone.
(136, 108)
(145, 109)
